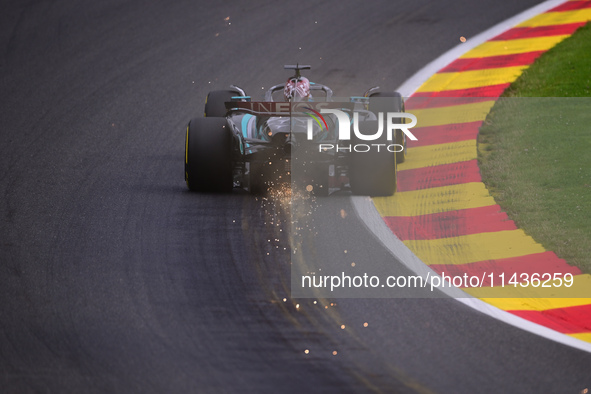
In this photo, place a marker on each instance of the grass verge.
(535, 150)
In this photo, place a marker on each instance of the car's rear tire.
(208, 155)
(372, 173)
(215, 102)
(390, 102)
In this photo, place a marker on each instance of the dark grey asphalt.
(114, 278)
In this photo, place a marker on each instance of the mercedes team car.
(294, 137)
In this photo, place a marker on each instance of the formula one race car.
(304, 137)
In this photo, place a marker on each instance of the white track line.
(368, 213)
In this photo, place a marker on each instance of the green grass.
(535, 150)
(563, 71)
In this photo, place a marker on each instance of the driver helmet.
(296, 89)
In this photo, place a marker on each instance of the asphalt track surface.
(115, 278)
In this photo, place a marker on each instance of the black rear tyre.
(390, 102)
(208, 156)
(372, 173)
(215, 102)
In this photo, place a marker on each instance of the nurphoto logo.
(392, 120)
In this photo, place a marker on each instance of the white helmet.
(297, 88)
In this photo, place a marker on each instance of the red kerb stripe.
(540, 263)
(481, 63)
(433, 135)
(483, 91)
(538, 31)
(438, 102)
(571, 6)
(450, 224)
(570, 320)
(437, 176)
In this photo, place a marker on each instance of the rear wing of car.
(278, 108)
(261, 108)
(297, 67)
(313, 86)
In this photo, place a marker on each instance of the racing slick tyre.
(390, 102)
(215, 102)
(208, 156)
(373, 172)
